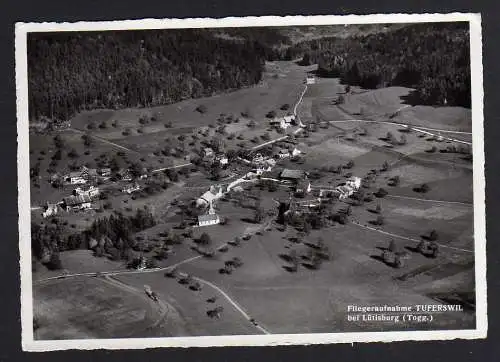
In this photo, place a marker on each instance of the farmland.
(251, 274)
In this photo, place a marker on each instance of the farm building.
(350, 186)
(208, 197)
(131, 188)
(283, 122)
(51, 209)
(310, 80)
(105, 172)
(293, 175)
(76, 178)
(303, 187)
(208, 152)
(295, 152)
(92, 191)
(79, 202)
(222, 159)
(209, 219)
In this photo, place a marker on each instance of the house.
(79, 202)
(258, 158)
(50, 210)
(131, 188)
(125, 175)
(295, 152)
(283, 122)
(105, 172)
(290, 119)
(303, 187)
(293, 175)
(283, 153)
(354, 182)
(208, 152)
(208, 197)
(222, 159)
(210, 219)
(310, 80)
(76, 178)
(92, 191)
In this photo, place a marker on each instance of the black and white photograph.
(251, 181)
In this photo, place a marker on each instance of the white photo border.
(28, 342)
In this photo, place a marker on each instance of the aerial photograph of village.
(250, 180)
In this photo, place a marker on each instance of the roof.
(209, 217)
(75, 174)
(77, 200)
(292, 174)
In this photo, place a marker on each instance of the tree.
(392, 246)
(402, 140)
(433, 235)
(258, 215)
(378, 208)
(55, 262)
(306, 60)
(202, 109)
(381, 192)
(205, 239)
(349, 164)
(385, 166)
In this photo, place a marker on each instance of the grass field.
(93, 308)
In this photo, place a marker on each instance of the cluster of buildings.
(283, 122)
(210, 155)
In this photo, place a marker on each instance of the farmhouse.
(125, 175)
(303, 187)
(105, 172)
(208, 197)
(208, 152)
(210, 219)
(76, 178)
(222, 159)
(92, 191)
(293, 175)
(283, 153)
(131, 188)
(350, 186)
(283, 122)
(79, 202)
(50, 210)
(310, 80)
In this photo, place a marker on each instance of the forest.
(71, 72)
(432, 58)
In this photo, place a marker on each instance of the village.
(206, 212)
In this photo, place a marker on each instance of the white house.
(76, 178)
(354, 182)
(210, 219)
(50, 209)
(92, 191)
(222, 159)
(295, 152)
(131, 188)
(290, 119)
(284, 153)
(310, 80)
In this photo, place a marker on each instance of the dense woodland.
(70, 72)
(432, 58)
